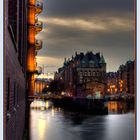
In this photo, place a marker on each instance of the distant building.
(40, 84)
(126, 78)
(84, 74)
(121, 81)
(112, 82)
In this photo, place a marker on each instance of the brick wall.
(15, 83)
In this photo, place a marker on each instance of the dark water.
(57, 124)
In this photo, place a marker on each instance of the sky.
(105, 26)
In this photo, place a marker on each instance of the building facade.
(122, 81)
(40, 84)
(112, 82)
(84, 74)
(15, 51)
(126, 78)
(21, 26)
(34, 45)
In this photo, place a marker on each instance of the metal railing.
(38, 44)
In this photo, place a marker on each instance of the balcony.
(38, 44)
(38, 7)
(38, 26)
(39, 70)
(36, 53)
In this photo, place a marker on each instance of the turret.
(102, 62)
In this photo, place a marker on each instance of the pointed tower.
(65, 62)
(102, 62)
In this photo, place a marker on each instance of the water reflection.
(58, 124)
(119, 107)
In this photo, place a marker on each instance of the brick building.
(34, 27)
(21, 25)
(126, 78)
(121, 81)
(112, 82)
(84, 74)
(15, 68)
(40, 84)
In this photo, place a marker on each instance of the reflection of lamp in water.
(113, 106)
(52, 112)
(42, 127)
(47, 105)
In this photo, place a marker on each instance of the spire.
(65, 61)
(72, 57)
(102, 60)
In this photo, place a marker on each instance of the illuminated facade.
(121, 81)
(112, 82)
(34, 27)
(126, 78)
(40, 84)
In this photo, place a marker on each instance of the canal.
(54, 123)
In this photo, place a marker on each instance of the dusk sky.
(105, 26)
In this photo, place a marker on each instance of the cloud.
(87, 25)
(74, 8)
(49, 62)
(91, 23)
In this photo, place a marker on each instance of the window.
(93, 73)
(14, 93)
(8, 94)
(85, 73)
(12, 18)
(89, 73)
(20, 32)
(17, 97)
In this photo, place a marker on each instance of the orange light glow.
(31, 36)
(31, 15)
(31, 59)
(113, 106)
(32, 2)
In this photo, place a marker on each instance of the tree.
(44, 90)
(56, 86)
